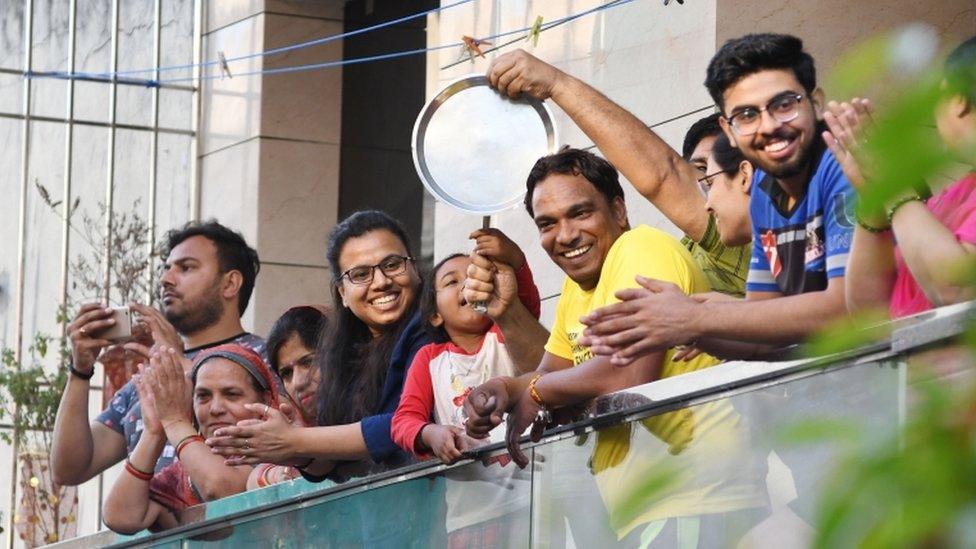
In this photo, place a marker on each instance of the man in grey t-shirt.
(204, 289)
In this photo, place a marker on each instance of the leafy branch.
(127, 248)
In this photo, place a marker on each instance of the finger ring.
(266, 408)
(83, 331)
(247, 444)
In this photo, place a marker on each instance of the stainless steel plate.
(473, 147)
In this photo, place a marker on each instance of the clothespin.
(224, 69)
(533, 35)
(473, 46)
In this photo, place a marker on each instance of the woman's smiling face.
(385, 299)
(222, 389)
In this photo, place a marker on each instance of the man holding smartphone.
(205, 287)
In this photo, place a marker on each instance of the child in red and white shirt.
(469, 349)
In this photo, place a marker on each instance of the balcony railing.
(698, 460)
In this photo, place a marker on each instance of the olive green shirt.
(725, 268)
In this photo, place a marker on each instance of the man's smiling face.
(781, 149)
(577, 225)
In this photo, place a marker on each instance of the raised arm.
(871, 265)
(81, 450)
(172, 394)
(651, 165)
(929, 248)
(128, 508)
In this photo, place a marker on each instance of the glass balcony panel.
(731, 456)
(712, 474)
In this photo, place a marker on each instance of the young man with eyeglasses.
(765, 86)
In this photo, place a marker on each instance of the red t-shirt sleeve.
(528, 293)
(416, 403)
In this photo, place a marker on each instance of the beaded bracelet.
(186, 441)
(136, 472)
(901, 202)
(870, 228)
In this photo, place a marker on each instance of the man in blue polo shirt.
(801, 210)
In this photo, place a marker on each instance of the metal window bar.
(109, 191)
(154, 148)
(117, 125)
(66, 198)
(21, 241)
(195, 108)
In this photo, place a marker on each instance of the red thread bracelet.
(186, 441)
(139, 474)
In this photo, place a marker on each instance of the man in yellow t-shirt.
(577, 204)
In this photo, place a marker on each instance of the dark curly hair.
(704, 127)
(233, 253)
(752, 53)
(569, 161)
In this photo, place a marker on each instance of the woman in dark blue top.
(363, 359)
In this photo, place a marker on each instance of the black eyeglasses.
(392, 265)
(783, 108)
(705, 181)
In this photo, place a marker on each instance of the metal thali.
(474, 147)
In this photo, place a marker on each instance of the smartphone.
(122, 329)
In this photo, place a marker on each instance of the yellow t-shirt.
(682, 444)
(643, 251)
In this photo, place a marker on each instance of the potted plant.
(30, 392)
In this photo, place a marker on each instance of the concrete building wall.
(830, 27)
(269, 145)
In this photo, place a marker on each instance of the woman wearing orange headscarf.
(229, 383)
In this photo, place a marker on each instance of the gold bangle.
(901, 202)
(534, 393)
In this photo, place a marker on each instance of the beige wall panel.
(229, 189)
(304, 105)
(231, 107)
(298, 200)
(220, 13)
(269, 146)
(280, 287)
(648, 57)
(830, 27)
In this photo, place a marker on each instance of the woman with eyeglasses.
(362, 359)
